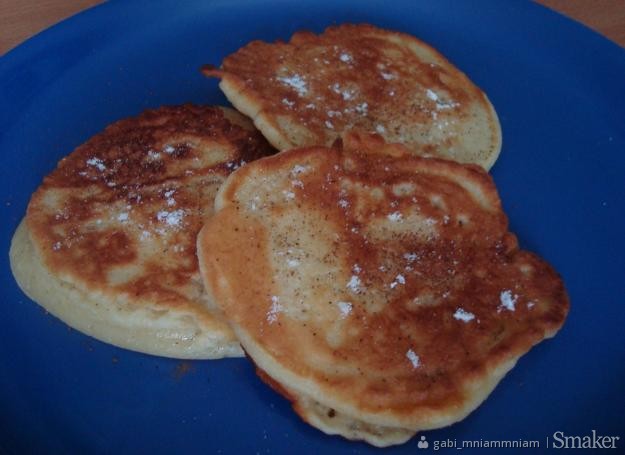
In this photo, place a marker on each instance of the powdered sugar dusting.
(362, 108)
(97, 163)
(276, 307)
(299, 169)
(345, 308)
(395, 217)
(399, 279)
(411, 257)
(171, 218)
(440, 105)
(346, 58)
(296, 82)
(446, 105)
(346, 94)
(507, 300)
(431, 94)
(169, 195)
(463, 315)
(354, 284)
(292, 263)
(414, 359)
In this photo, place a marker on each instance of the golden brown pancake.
(108, 241)
(310, 90)
(383, 292)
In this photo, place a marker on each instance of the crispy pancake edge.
(108, 321)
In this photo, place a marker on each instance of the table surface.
(21, 19)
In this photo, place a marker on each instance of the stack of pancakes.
(366, 269)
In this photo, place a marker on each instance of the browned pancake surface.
(118, 218)
(308, 91)
(379, 284)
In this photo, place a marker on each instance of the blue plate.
(559, 90)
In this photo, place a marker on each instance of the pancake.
(108, 241)
(383, 292)
(310, 90)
